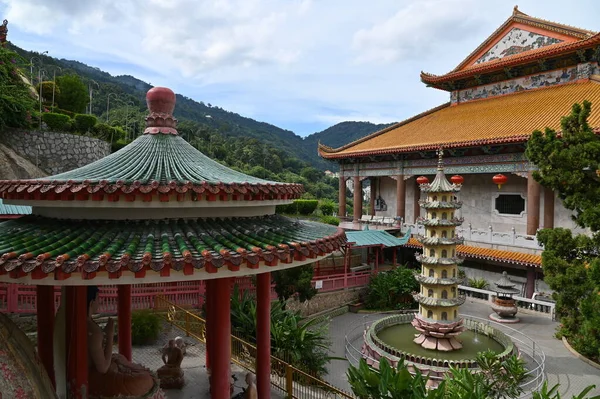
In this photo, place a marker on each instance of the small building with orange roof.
(525, 76)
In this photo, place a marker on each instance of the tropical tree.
(297, 280)
(73, 94)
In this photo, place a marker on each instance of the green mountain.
(127, 107)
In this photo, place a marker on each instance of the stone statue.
(251, 392)
(112, 375)
(171, 375)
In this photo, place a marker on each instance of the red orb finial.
(457, 179)
(422, 180)
(499, 179)
(161, 103)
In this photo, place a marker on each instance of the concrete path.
(562, 367)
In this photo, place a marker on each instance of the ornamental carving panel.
(514, 42)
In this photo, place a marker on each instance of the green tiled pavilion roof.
(158, 162)
(11, 210)
(40, 246)
(368, 238)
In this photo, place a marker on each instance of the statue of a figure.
(251, 392)
(112, 375)
(171, 375)
(3, 33)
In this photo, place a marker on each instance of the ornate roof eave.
(510, 61)
(41, 247)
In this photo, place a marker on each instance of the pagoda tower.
(437, 320)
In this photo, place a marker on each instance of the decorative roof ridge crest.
(161, 103)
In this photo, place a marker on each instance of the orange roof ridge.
(519, 16)
(325, 149)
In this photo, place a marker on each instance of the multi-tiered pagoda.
(437, 321)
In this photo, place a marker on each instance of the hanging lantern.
(457, 179)
(499, 179)
(422, 180)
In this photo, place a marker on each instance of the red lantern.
(422, 180)
(499, 179)
(457, 179)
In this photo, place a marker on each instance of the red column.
(376, 250)
(400, 197)
(208, 303)
(45, 324)
(124, 320)
(533, 204)
(416, 205)
(357, 199)
(530, 285)
(548, 208)
(221, 338)
(373, 195)
(77, 348)
(342, 196)
(263, 335)
(394, 249)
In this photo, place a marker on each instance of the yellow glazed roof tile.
(508, 118)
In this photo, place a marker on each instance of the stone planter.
(355, 307)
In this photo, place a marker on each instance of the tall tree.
(569, 163)
(73, 94)
(17, 103)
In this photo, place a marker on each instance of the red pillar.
(530, 285)
(263, 335)
(394, 249)
(376, 250)
(373, 194)
(533, 204)
(45, 324)
(208, 303)
(342, 195)
(124, 320)
(77, 348)
(221, 338)
(416, 198)
(358, 197)
(400, 197)
(548, 208)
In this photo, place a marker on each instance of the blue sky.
(302, 65)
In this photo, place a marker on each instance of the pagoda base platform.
(505, 320)
(439, 344)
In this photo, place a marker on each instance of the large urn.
(504, 305)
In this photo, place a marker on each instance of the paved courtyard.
(561, 366)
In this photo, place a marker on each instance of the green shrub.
(56, 122)
(306, 207)
(479, 283)
(64, 112)
(330, 220)
(392, 289)
(145, 327)
(327, 207)
(84, 123)
(289, 209)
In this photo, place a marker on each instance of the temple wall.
(55, 152)
(387, 190)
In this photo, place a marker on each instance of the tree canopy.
(73, 94)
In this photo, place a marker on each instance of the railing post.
(289, 381)
(12, 300)
(187, 324)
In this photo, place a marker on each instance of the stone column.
(400, 197)
(342, 196)
(533, 204)
(263, 335)
(373, 181)
(548, 208)
(357, 199)
(416, 206)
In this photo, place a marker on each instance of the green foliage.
(306, 207)
(47, 91)
(56, 122)
(64, 112)
(297, 280)
(84, 123)
(145, 327)
(479, 283)
(496, 379)
(108, 133)
(391, 289)
(553, 393)
(330, 220)
(73, 93)
(305, 345)
(570, 165)
(327, 207)
(17, 102)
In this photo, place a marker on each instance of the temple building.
(525, 76)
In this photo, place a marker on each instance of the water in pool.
(401, 337)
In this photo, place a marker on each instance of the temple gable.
(516, 41)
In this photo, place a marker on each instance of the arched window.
(432, 252)
(444, 198)
(451, 215)
(444, 216)
(452, 234)
(431, 273)
(444, 316)
(444, 253)
(434, 198)
(455, 314)
(430, 293)
(453, 253)
(433, 215)
(430, 314)
(453, 289)
(444, 234)
(444, 294)
(444, 274)
(432, 233)
(454, 273)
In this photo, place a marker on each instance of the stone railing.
(489, 236)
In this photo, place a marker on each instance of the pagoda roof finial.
(440, 154)
(161, 103)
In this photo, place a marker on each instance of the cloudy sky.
(303, 65)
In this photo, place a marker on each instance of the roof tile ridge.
(324, 148)
(571, 30)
